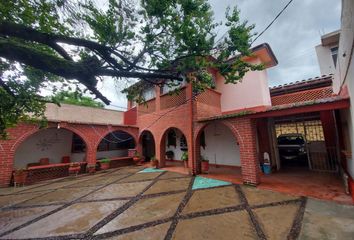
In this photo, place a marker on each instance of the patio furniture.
(65, 159)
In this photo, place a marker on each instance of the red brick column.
(248, 150)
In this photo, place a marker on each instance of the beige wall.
(80, 114)
(325, 60)
(253, 91)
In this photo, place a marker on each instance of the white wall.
(236, 96)
(344, 75)
(49, 143)
(177, 150)
(325, 60)
(221, 146)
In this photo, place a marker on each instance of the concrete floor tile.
(169, 175)
(141, 177)
(74, 219)
(235, 225)
(10, 219)
(152, 233)
(213, 198)
(276, 227)
(327, 220)
(257, 196)
(9, 200)
(169, 185)
(145, 210)
(118, 190)
(59, 196)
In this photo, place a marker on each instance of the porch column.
(6, 166)
(160, 150)
(248, 151)
(91, 155)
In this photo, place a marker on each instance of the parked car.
(292, 147)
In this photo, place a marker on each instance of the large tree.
(66, 43)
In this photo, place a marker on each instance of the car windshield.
(290, 140)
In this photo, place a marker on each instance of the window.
(170, 86)
(183, 143)
(77, 145)
(171, 138)
(149, 94)
(334, 52)
(202, 140)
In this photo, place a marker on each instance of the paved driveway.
(132, 203)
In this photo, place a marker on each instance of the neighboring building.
(327, 52)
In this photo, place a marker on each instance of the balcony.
(173, 100)
(208, 104)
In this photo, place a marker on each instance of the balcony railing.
(173, 100)
(147, 107)
(208, 103)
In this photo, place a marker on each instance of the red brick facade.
(91, 135)
(184, 116)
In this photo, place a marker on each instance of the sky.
(292, 37)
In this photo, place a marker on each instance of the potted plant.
(154, 162)
(136, 158)
(20, 176)
(91, 168)
(184, 158)
(169, 155)
(205, 165)
(74, 168)
(104, 163)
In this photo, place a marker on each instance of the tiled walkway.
(129, 203)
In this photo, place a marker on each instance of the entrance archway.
(147, 142)
(217, 143)
(173, 146)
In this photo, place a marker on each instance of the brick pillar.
(91, 155)
(160, 150)
(248, 151)
(6, 166)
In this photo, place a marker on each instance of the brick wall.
(91, 135)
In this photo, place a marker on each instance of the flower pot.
(20, 178)
(154, 163)
(136, 160)
(205, 166)
(91, 169)
(104, 166)
(185, 163)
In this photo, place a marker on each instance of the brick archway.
(140, 146)
(20, 134)
(244, 132)
(161, 148)
(101, 132)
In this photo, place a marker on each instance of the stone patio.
(126, 203)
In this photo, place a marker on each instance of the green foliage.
(75, 98)
(153, 40)
(184, 156)
(105, 160)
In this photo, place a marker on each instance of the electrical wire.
(271, 23)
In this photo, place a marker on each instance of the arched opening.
(50, 146)
(115, 144)
(173, 146)
(218, 144)
(147, 142)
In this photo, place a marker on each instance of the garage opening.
(301, 143)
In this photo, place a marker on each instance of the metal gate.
(320, 156)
